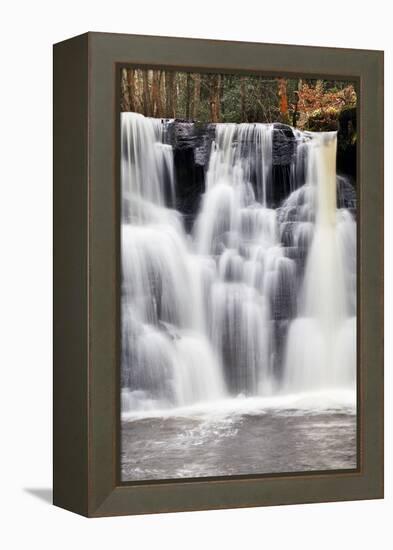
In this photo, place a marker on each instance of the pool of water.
(188, 444)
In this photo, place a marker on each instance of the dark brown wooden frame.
(118, 68)
(86, 256)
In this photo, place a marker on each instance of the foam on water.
(324, 401)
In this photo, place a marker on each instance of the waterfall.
(256, 299)
(167, 359)
(322, 339)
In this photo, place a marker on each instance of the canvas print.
(238, 274)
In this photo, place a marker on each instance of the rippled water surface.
(219, 444)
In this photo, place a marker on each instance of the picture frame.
(86, 404)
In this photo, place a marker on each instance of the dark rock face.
(190, 184)
(284, 145)
(346, 194)
(346, 142)
(284, 150)
(281, 184)
(191, 135)
(191, 144)
(192, 141)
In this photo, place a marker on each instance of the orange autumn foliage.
(282, 92)
(316, 103)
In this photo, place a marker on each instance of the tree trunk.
(160, 94)
(138, 90)
(131, 89)
(243, 99)
(212, 104)
(282, 93)
(214, 99)
(176, 92)
(170, 89)
(221, 95)
(218, 97)
(197, 94)
(156, 95)
(295, 110)
(146, 94)
(188, 97)
(124, 103)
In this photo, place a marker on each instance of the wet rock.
(190, 184)
(284, 145)
(192, 142)
(346, 142)
(346, 193)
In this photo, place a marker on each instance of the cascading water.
(256, 300)
(167, 359)
(321, 348)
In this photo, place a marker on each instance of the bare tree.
(170, 89)
(197, 94)
(131, 89)
(296, 104)
(214, 97)
(125, 102)
(156, 94)
(243, 92)
(146, 94)
(189, 107)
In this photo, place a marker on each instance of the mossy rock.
(347, 121)
(346, 142)
(323, 121)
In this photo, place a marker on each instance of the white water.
(227, 310)
(321, 348)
